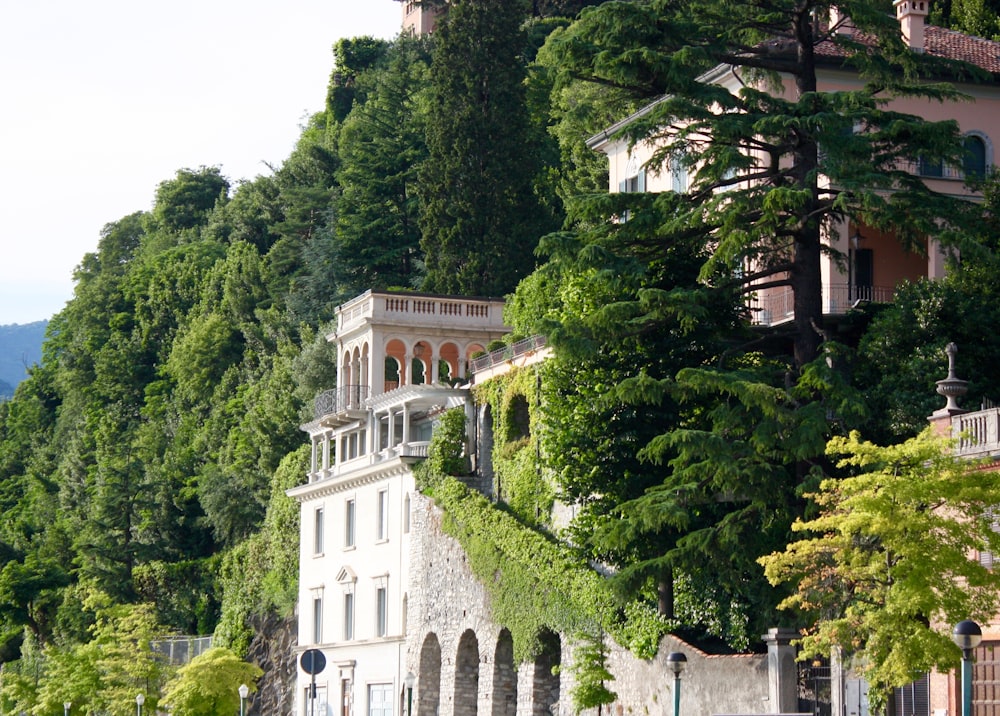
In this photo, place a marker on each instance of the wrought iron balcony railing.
(337, 400)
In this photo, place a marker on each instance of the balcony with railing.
(977, 433)
(777, 306)
(340, 400)
(501, 356)
(419, 309)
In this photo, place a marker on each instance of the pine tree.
(480, 217)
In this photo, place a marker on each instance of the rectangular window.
(318, 535)
(406, 514)
(380, 700)
(348, 616)
(349, 523)
(930, 167)
(315, 702)
(317, 620)
(382, 517)
(381, 611)
(634, 184)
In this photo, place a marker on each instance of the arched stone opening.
(346, 377)
(429, 677)
(420, 364)
(355, 395)
(545, 684)
(520, 418)
(448, 363)
(504, 677)
(395, 360)
(467, 675)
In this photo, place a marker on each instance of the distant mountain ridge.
(20, 348)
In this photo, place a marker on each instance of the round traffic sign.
(312, 661)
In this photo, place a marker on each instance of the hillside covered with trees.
(143, 463)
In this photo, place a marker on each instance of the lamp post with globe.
(967, 635)
(676, 662)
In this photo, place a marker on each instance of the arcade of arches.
(404, 363)
(472, 674)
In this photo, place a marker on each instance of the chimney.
(840, 22)
(912, 15)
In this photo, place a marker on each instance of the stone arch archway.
(395, 364)
(429, 683)
(421, 362)
(448, 368)
(504, 677)
(545, 688)
(467, 675)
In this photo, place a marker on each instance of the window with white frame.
(635, 177)
(986, 557)
(349, 516)
(317, 619)
(320, 704)
(382, 516)
(381, 610)
(678, 174)
(318, 531)
(380, 699)
(348, 625)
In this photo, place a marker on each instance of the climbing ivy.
(536, 582)
(518, 479)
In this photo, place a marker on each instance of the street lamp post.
(409, 680)
(676, 662)
(244, 692)
(140, 699)
(967, 635)
(66, 707)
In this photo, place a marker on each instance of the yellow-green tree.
(209, 685)
(889, 564)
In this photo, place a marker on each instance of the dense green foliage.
(144, 462)
(481, 214)
(209, 684)
(887, 557)
(146, 457)
(685, 439)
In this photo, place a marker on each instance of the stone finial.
(952, 388)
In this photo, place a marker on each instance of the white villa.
(401, 360)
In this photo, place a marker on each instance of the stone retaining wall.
(463, 659)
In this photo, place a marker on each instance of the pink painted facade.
(418, 20)
(875, 262)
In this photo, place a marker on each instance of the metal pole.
(409, 701)
(967, 682)
(677, 694)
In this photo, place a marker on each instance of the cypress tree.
(480, 218)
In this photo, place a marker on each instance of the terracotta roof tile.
(947, 44)
(959, 46)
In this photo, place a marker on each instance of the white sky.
(100, 101)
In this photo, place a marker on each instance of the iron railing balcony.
(769, 308)
(339, 400)
(501, 355)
